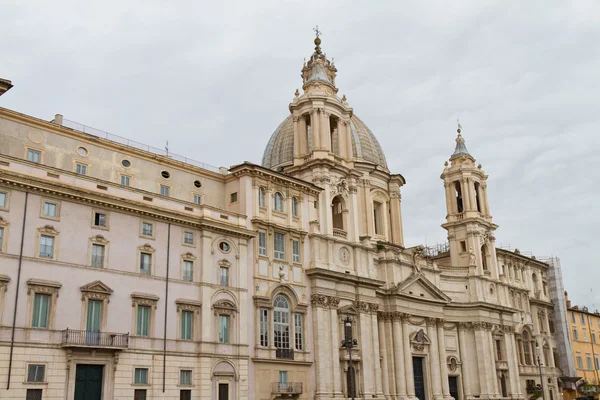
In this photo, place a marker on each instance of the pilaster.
(434, 357)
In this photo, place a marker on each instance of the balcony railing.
(75, 338)
(286, 388)
(286, 354)
(340, 233)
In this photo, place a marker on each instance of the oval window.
(198, 184)
(126, 163)
(165, 174)
(225, 247)
(82, 151)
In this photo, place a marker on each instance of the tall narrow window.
(198, 199)
(597, 362)
(298, 332)
(296, 250)
(484, 257)
(582, 317)
(459, 198)
(589, 362)
(139, 394)
(97, 255)
(262, 243)
(34, 394)
(81, 169)
(224, 276)
(145, 263)
(264, 327)
(261, 197)
(477, 197)
(185, 379)
(1, 237)
(279, 245)
(278, 202)
(165, 190)
(94, 319)
(188, 270)
(579, 361)
(337, 207)
(283, 380)
(41, 310)
(281, 319)
(34, 156)
(498, 349)
(527, 348)
(294, 207)
(224, 328)
(46, 246)
(187, 318)
(575, 334)
(143, 320)
(378, 217)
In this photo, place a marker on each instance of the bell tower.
(468, 220)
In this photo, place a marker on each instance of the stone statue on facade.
(471, 257)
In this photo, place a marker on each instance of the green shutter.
(36, 311)
(94, 315)
(40, 311)
(143, 320)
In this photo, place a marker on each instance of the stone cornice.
(341, 277)
(257, 171)
(107, 201)
(481, 305)
(266, 224)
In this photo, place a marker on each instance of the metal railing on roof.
(137, 145)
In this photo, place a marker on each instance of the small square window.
(3, 199)
(125, 180)
(233, 197)
(81, 169)
(147, 229)
(165, 190)
(36, 372)
(141, 376)
(198, 199)
(100, 219)
(34, 156)
(188, 237)
(50, 209)
(139, 394)
(185, 377)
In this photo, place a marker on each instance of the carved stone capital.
(464, 326)
(324, 301)
(362, 306)
(482, 326)
(431, 321)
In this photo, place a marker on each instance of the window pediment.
(224, 307)
(43, 286)
(4, 279)
(99, 239)
(146, 248)
(3, 222)
(144, 299)
(48, 229)
(95, 290)
(188, 305)
(188, 256)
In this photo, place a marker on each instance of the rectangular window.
(147, 228)
(165, 190)
(597, 362)
(187, 318)
(579, 362)
(188, 270)
(97, 255)
(283, 380)
(261, 197)
(36, 372)
(585, 339)
(100, 219)
(185, 377)
(34, 156)
(572, 316)
(143, 320)
(224, 276)
(50, 209)
(498, 349)
(139, 394)
(589, 362)
(279, 245)
(46, 246)
(575, 334)
(188, 237)
(198, 199)
(34, 394)
(264, 327)
(2, 200)
(262, 243)
(582, 317)
(224, 328)
(185, 394)
(41, 310)
(1, 237)
(296, 250)
(594, 337)
(145, 263)
(81, 169)
(233, 197)
(141, 376)
(298, 332)
(125, 180)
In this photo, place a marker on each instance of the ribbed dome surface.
(280, 149)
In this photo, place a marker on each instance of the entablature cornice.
(335, 276)
(288, 182)
(285, 228)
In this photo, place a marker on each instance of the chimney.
(58, 119)
(5, 86)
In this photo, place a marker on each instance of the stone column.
(443, 363)
(449, 198)
(408, 365)
(374, 308)
(348, 139)
(335, 356)
(485, 375)
(322, 346)
(396, 216)
(353, 214)
(399, 356)
(464, 187)
(367, 349)
(434, 359)
(383, 317)
(369, 208)
(391, 352)
(512, 359)
(302, 133)
(484, 199)
(464, 350)
(492, 361)
(297, 137)
(315, 128)
(326, 142)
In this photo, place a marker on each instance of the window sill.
(104, 228)
(147, 237)
(49, 218)
(189, 244)
(142, 385)
(280, 213)
(185, 386)
(35, 383)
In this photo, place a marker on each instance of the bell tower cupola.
(468, 219)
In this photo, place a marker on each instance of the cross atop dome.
(318, 70)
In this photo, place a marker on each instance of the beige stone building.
(127, 273)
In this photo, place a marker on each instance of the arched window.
(459, 199)
(294, 206)
(281, 319)
(278, 202)
(337, 206)
(526, 348)
(261, 197)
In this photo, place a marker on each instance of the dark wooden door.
(88, 382)
(223, 391)
(351, 382)
(453, 383)
(419, 378)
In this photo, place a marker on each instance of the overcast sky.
(216, 79)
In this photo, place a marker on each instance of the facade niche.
(337, 209)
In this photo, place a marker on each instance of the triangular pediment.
(420, 287)
(96, 287)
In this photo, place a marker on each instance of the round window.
(126, 163)
(82, 151)
(198, 184)
(165, 174)
(225, 247)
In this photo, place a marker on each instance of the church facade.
(129, 274)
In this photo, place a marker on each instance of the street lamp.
(348, 343)
(537, 353)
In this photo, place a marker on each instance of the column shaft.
(335, 357)
(399, 359)
(464, 359)
(408, 365)
(384, 355)
(443, 363)
(434, 356)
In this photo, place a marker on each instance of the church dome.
(280, 149)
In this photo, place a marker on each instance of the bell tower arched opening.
(458, 195)
(338, 208)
